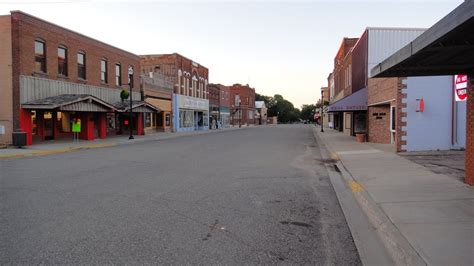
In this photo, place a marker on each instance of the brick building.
(438, 53)
(52, 76)
(374, 45)
(159, 92)
(190, 89)
(242, 105)
(214, 97)
(224, 105)
(342, 76)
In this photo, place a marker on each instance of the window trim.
(105, 80)
(66, 70)
(44, 56)
(119, 76)
(84, 64)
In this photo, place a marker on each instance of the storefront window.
(186, 119)
(148, 117)
(205, 119)
(168, 120)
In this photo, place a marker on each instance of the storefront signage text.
(460, 88)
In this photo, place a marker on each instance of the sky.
(278, 47)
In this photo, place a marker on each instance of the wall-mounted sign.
(76, 126)
(187, 102)
(460, 88)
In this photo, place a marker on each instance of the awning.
(70, 102)
(137, 106)
(354, 102)
(447, 48)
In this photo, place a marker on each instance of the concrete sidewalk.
(429, 215)
(62, 146)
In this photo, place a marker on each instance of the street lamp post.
(240, 115)
(321, 111)
(130, 84)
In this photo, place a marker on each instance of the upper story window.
(81, 65)
(40, 56)
(103, 70)
(62, 61)
(118, 75)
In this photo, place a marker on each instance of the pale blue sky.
(284, 47)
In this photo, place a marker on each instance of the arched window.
(62, 60)
(81, 65)
(40, 56)
(118, 74)
(103, 70)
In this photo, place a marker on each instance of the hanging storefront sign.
(460, 88)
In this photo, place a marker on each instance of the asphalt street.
(259, 195)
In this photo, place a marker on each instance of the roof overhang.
(70, 102)
(354, 102)
(447, 48)
(138, 107)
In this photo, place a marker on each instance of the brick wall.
(381, 90)
(170, 64)
(6, 115)
(379, 124)
(213, 95)
(247, 97)
(400, 138)
(26, 29)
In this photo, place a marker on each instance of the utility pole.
(321, 111)
(130, 84)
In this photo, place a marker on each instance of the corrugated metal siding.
(33, 88)
(84, 107)
(359, 63)
(384, 42)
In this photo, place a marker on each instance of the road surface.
(257, 195)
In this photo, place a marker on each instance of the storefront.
(350, 113)
(141, 110)
(158, 122)
(190, 113)
(51, 118)
(224, 117)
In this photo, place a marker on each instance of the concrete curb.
(56, 151)
(33, 153)
(378, 240)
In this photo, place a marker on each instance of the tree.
(308, 111)
(124, 94)
(278, 106)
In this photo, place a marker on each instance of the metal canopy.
(70, 102)
(354, 102)
(447, 48)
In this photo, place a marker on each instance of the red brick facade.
(382, 95)
(379, 124)
(247, 104)
(26, 29)
(214, 93)
(343, 67)
(180, 71)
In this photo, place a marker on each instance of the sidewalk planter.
(360, 137)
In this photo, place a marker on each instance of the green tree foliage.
(280, 107)
(308, 111)
(124, 94)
